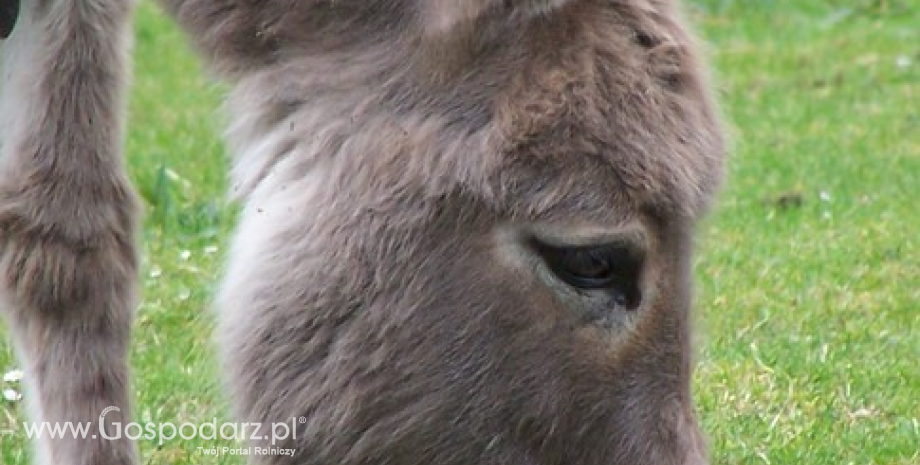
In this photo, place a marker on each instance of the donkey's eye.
(611, 268)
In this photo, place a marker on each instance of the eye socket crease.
(613, 268)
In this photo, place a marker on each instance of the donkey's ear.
(444, 15)
(9, 11)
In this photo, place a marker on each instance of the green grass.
(811, 332)
(809, 267)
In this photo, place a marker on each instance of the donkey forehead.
(601, 124)
(613, 118)
(577, 145)
(595, 120)
(538, 150)
(601, 162)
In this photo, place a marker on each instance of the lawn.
(808, 268)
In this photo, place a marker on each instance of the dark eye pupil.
(585, 263)
(612, 268)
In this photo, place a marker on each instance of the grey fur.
(67, 218)
(393, 158)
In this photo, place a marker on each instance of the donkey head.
(468, 228)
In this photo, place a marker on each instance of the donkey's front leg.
(67, 220)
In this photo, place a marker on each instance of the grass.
(808, 269)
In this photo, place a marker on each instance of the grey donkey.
(466, 232)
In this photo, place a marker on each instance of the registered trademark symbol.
(302, 420)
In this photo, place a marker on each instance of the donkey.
(465, 237)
